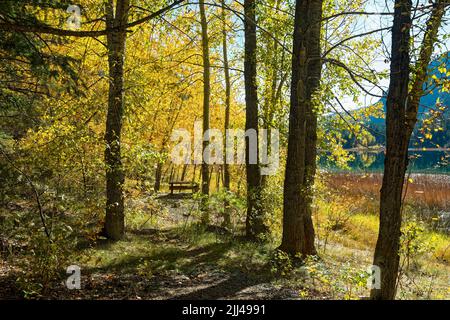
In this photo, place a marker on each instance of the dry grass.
(425, 190)
(346, 223)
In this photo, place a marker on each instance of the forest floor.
(167, 255)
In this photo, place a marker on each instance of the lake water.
(420, 161)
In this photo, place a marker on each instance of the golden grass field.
(426, 190)
(347, 221)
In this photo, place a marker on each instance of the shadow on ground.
(169, 266)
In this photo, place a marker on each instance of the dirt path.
(159, 263)
(201, 278)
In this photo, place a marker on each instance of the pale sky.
(371, 22)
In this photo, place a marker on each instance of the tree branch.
(45, 29)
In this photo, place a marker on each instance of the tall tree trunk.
(314, 69)
(386, 255)
(114, 221)
(171, 173)
(255, 227)
(183, 173)
(226, 166)
(206, 96)
(159, 169)
(158, 176)
(401, 116)
(193, 174)
(210, 174)
(172, 119)
(271, 80)
(218, 173)
(298, 230)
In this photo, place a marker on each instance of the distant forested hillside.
(433, 128)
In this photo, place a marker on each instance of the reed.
(430, 191)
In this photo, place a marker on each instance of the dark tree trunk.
(114, 221)
(183, 173)
(159, 166)
(298, 230)
(314, 68)
(270, 103)
(226, 166)
(387, 249)
(218, 173)
(172, 170)
(401, 115)
(193, 174)
(210, 174)
(158, 176)
(255, 226)
(206, 96)
(159, 170)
